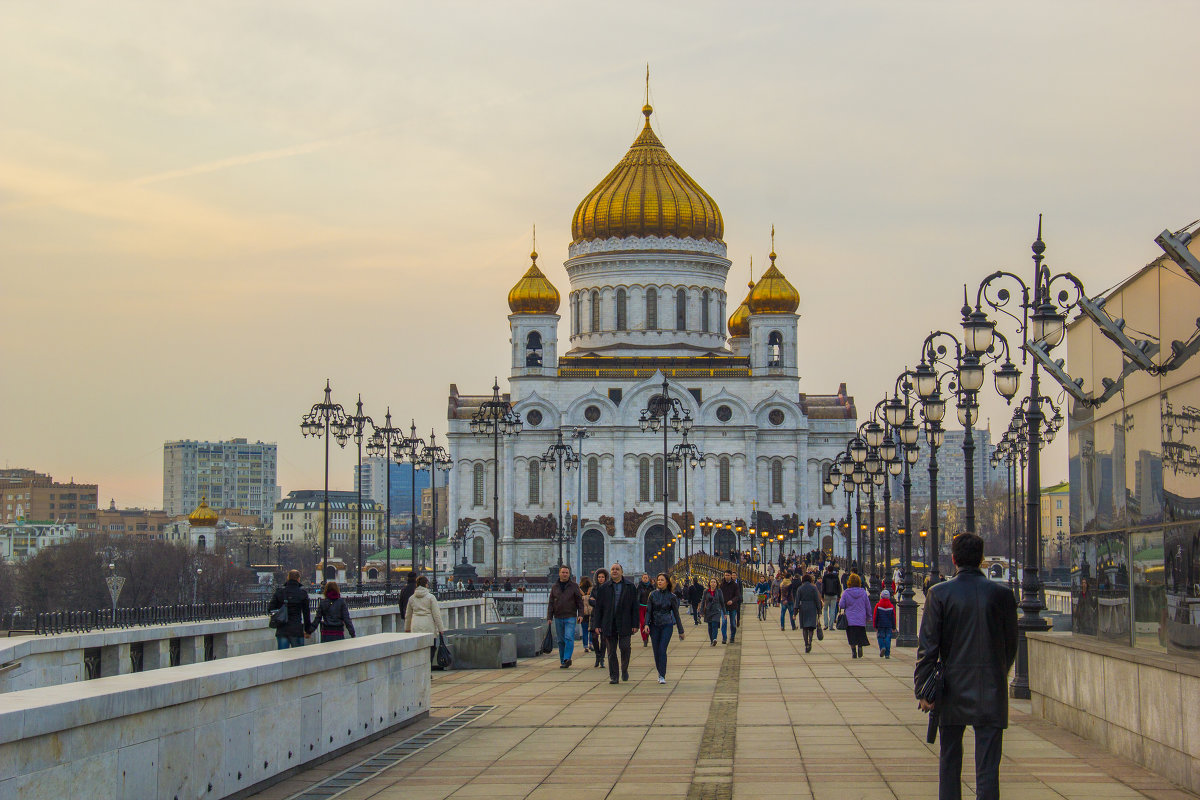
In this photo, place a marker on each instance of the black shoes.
(613, 681)
(645, 643)
(567, 663)
(624, 675)
(714, 642)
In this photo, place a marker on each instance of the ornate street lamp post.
(356, 424)
(560, 457)
(579, 433)
(413, 449)
(496, 418)
(686, 456)
(326, 418)
(386, 442)
(664, 411)
(433, 457)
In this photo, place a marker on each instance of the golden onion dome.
(647, 194)
(773, 294)
(203, 516)
(534, 293)
(739, 321)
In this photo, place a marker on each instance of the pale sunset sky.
(208, 208)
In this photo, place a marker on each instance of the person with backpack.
(289, 614)
(333, 615)
(831, 592)
(695, 593)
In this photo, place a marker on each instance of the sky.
(208, 209)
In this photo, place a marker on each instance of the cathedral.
(647, 304)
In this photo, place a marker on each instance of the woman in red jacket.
(885, 622)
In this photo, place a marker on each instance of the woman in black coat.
(808, 605)
(712, 608)
(299, 620)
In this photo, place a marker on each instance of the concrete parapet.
(482, 649)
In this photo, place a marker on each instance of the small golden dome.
(739, 321)
(534, 293)
(773, 294)
(647, 194)
(203, 516)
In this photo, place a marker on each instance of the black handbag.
(931, 692)
(445, 659)
(548, 640)
(841, 624)
(820, 633)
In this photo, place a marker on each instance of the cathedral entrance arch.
(827, 544)
(724, 543)
(656, 539)
(592, 552)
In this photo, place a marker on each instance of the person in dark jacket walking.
(333, 615)
(884, 620)
(406, 594)
(831, 592)
(563, 609)
(601, 576)
(695, 593)
(644, 588)
(731, 592)
(969, 629)
(299, 620)
(662, 617)
(711, 605)
(808, 608)
(615, 618)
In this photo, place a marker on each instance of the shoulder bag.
(445, 659)
(279, 616)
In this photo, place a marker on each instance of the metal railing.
(715, 566)
(52, 622)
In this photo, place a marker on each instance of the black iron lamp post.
(1042, 325)
(413, 450)
(387, 443)
(560, 457)
(661, 412)
(327, 419)
(357, 423)
(685, 456)
(898, 412)
(579, 433)
(496, 418)
(433, 457)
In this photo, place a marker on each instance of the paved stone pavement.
(752, 721)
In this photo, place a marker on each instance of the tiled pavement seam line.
(713, 777)
(365, 770)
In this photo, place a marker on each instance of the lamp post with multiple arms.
(1041, 324)
(327, 419)
(579, 433)
(686, 455)
(433, 457)
(560, 457)
(899, 414)
(356, 425)
(386, 442)
(664, 411)
(496, 418)
(413, 451)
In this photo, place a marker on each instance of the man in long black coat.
(970, 628)
(615, 617)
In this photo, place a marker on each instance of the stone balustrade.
(213, 729)
(29, 662)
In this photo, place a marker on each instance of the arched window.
(775, 349)
(720, 314)
(777, 482)
(595, 311)
(622, 299)
(575, 323)
(533, 349)
(658, 479)
(681, 310)
(723, 479)
(535, 482)
(826, 498)
(673, 482)
(704, 312)
(593, 480)
(480, 485)
(652, 309)
(644, 480)
(477, 550)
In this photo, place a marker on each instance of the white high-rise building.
(647, 267)
(236, 474)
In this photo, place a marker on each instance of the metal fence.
(51, 622)
(530, 602)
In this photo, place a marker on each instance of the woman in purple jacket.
(857, 607)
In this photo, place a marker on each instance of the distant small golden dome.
(203, 516)
(773, 294)
(647, 194)
(739, 321)
(534, 293)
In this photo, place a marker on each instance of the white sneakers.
(661, 679)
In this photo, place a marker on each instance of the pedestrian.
(662, 620)
(564, 609)
(299, 619)
(695, 594)
(333, 615)
(424, 614)
(831, 592)
(507, 585)
(644, 588)
(857, 606)
(585, 631)
(785, 602)
(969, 630)
(761, 590)
(731, 594)
(808, 607)
(615, 618)
(711, 605)
(406, 593)
(884, 620)
(601, 576)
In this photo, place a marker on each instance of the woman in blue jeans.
(711, 605)
(662, 617)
